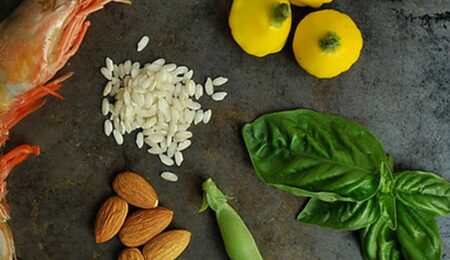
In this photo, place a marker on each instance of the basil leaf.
(423, 190)
(385, 196)
(340, 215)
(418, 234)
(379, 242)
(312, 154)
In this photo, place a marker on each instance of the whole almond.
(167, 246)
(144, 225)
(110, 219)
(131, 254)
(135, 190)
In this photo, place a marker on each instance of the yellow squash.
(260, 27)
(327, 43)
(311, 3)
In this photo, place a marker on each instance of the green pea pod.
(238, 240)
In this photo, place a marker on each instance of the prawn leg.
(15, 157)
(7, 163)
(28, 103)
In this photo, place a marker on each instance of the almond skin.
(167, 246)
(131, 254)
(110, 218)
(144, 225)
(136, 190)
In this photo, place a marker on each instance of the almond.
(135, 190)
(167, 246)
(131, 254)
(110, 219)
(144, 225)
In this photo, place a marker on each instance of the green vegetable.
(238, 240)
(423, 190)
(341, 214)
(378, 241)
(351, 180)
(385, 196)
(418, 234)
(312, 154)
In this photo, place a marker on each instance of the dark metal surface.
(399, 89)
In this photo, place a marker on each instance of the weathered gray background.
(399, 89)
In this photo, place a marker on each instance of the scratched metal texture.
(399, 89)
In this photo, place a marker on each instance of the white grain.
(182, 136)
(193, 105)
(156, 138)
(184, 145)
(181, 70)
(142, 43)
(159, 62)
(105, 106)
(166, 160)
(172, 149)
(108, 127)
(163, 146)
(198, 91)
(140, 140)
(188, 75)
(127, 67)
(219, 81)
(107, 89)
(198, 117)
(109, 64)
(169, 176)
(134, 72)
(191, 88)
(155, 151)
(106, 73)
(179, 158)
(118, 137)
(170, 67)
(219, 96)
(209, 88)
(207, 116)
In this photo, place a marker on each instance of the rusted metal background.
(399, 89)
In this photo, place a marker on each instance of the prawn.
(36, 41)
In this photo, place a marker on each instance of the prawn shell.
(7, 249)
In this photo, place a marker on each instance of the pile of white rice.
(160, 101)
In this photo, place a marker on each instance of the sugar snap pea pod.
(238, 240)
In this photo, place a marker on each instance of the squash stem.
(280, 13)
(330, 42)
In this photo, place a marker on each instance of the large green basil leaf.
(379, 242)
(385, 196)
(418, 234)
(340, 215)
(313, 154)
(423, 190)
